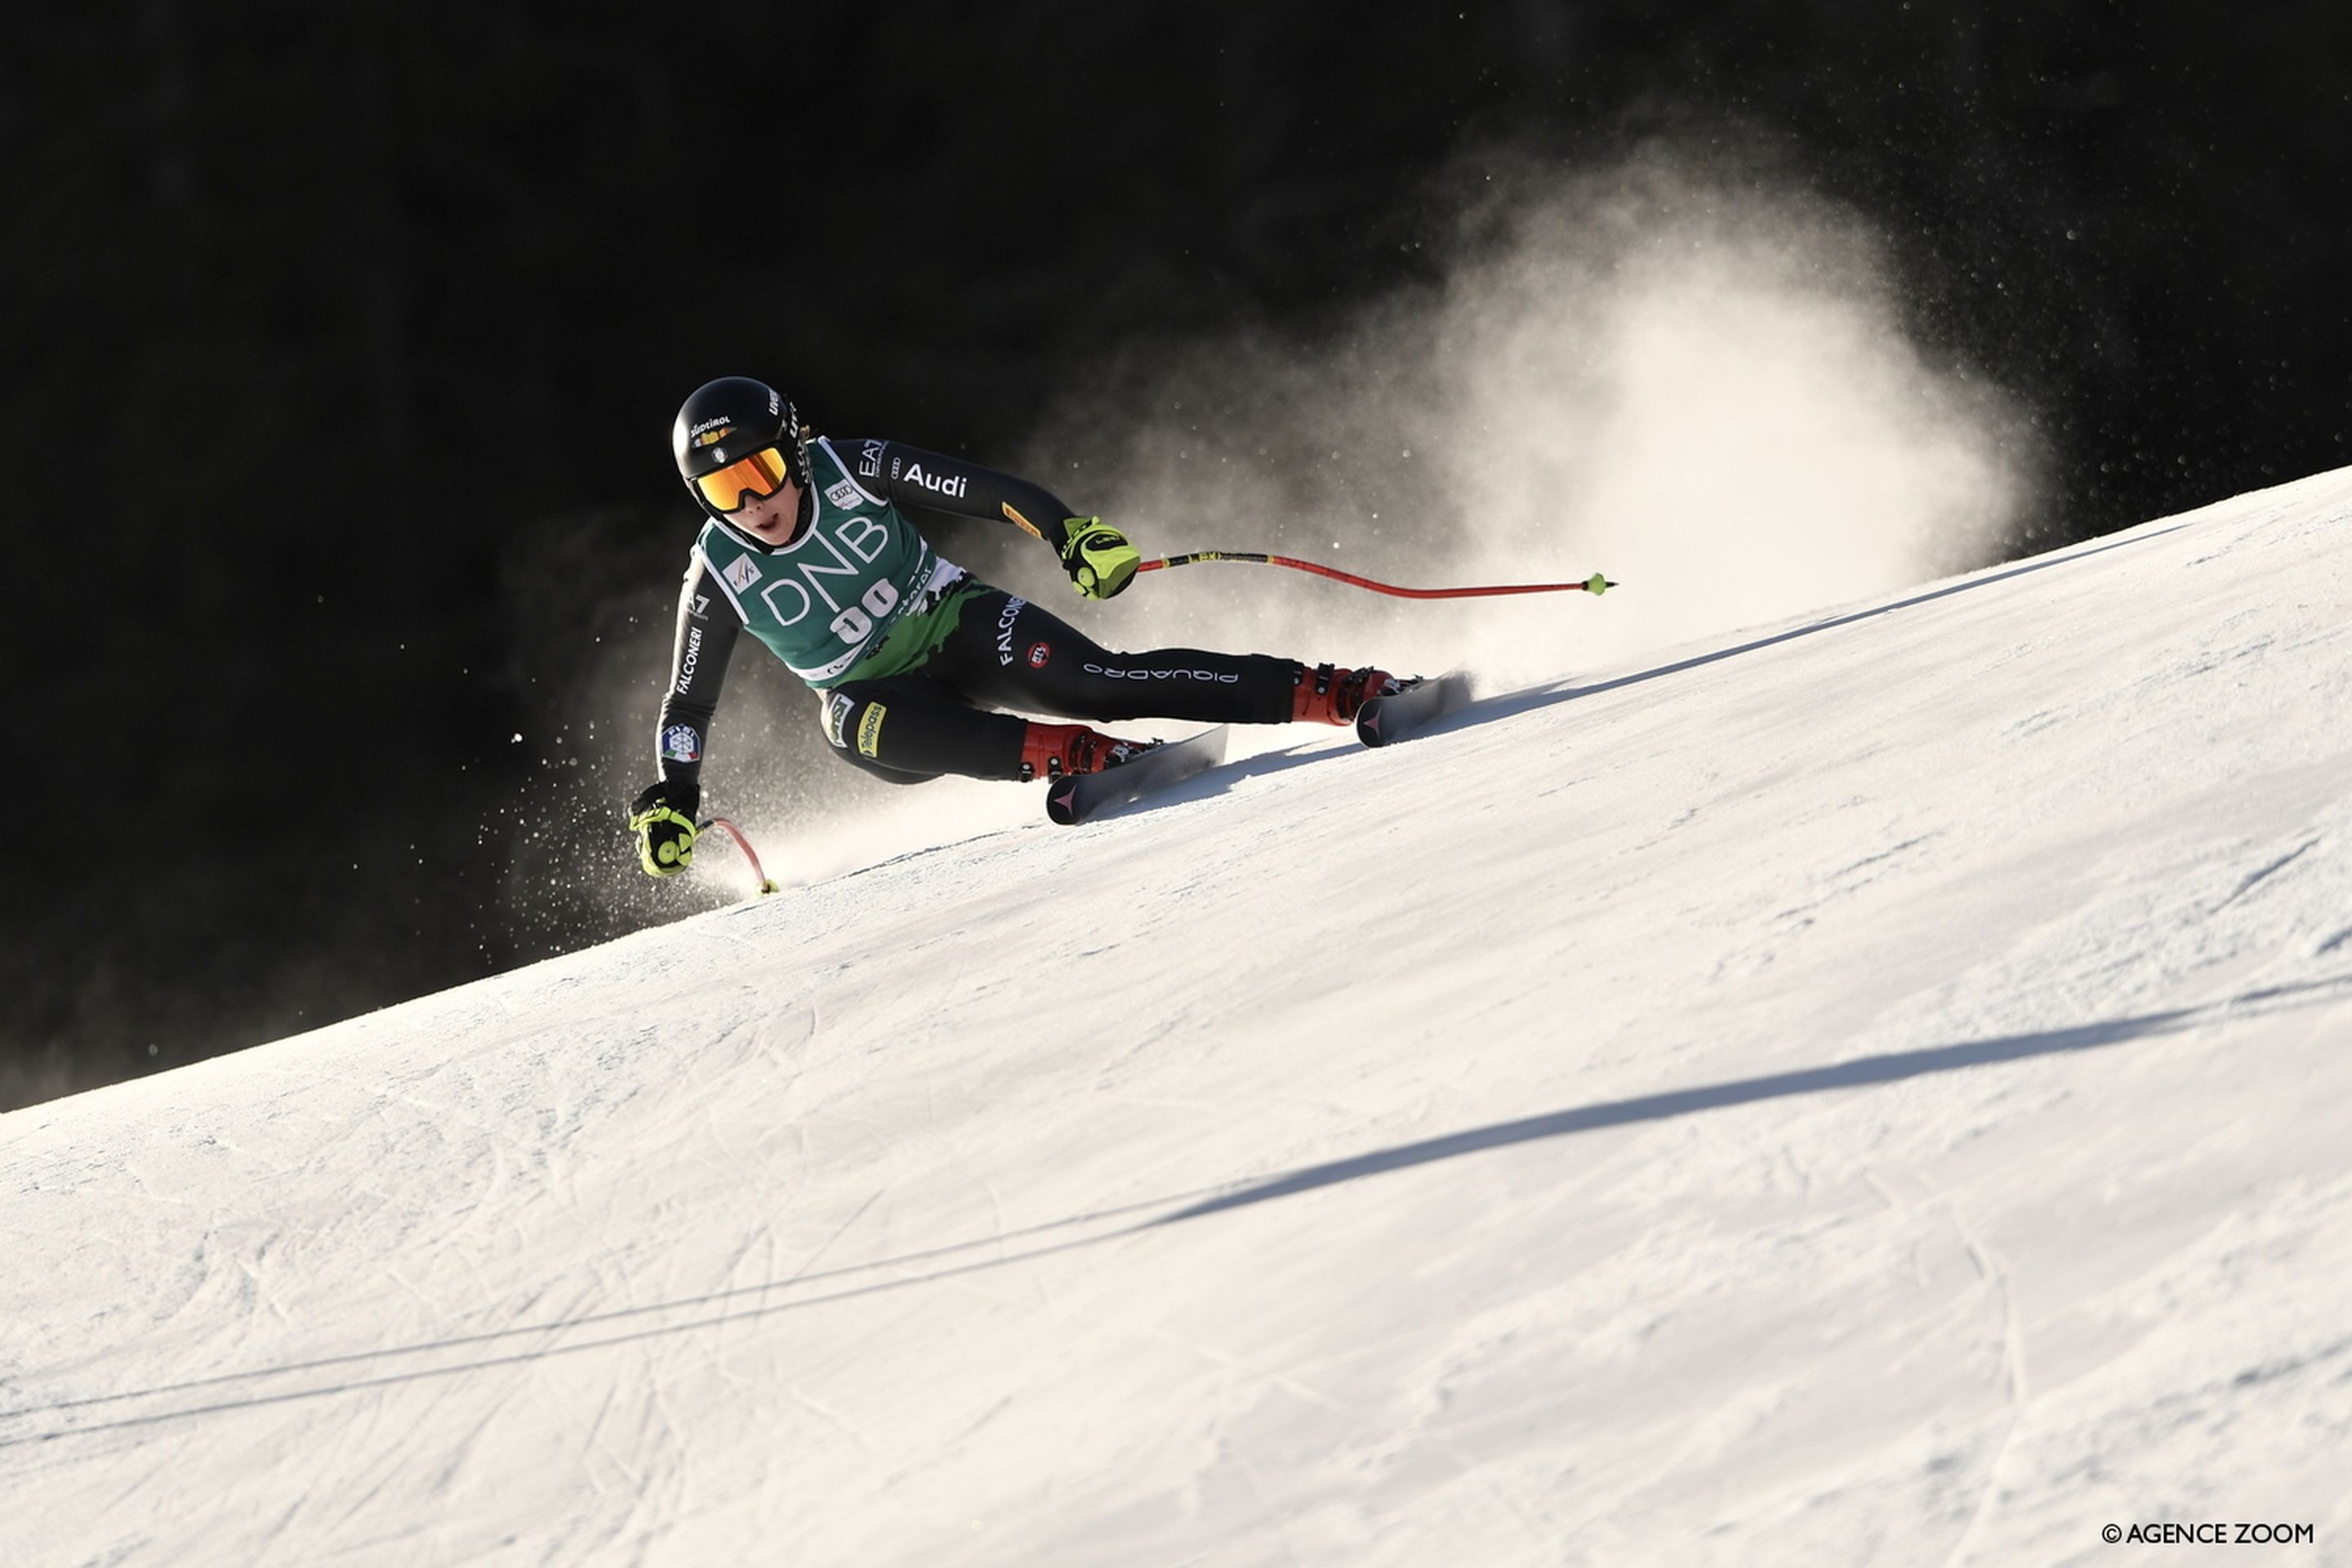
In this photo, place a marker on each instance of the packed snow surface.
(1869, 1089)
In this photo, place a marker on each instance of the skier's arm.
(1096, 556)
(706, 629)
(662, 815)
(908, 476)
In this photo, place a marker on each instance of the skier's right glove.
(663, 819)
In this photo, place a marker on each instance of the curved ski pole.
(1596, 584)
(750, 856)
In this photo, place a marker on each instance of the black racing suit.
(1004, 652)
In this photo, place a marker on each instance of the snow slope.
(1869, 1089)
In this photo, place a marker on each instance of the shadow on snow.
(474, 1353)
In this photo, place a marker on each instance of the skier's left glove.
(663, 819)
(1098, 557)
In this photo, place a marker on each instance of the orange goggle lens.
(761, 474)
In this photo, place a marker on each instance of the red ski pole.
(750, 856)
(1596, 583)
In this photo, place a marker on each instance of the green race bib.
(830, 598)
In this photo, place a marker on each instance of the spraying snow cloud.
(1704, 389)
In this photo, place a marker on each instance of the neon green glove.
(664, 834)
(1098, 557)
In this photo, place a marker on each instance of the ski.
(1386, 718)
(1074, 797)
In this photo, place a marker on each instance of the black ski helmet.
(726, 421)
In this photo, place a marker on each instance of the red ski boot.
(1049, 750)
(1328, 694)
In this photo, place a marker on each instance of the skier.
(805, 546)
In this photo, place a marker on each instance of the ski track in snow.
(1868, 1090)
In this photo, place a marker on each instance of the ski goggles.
(761, 474)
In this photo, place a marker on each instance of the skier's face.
(771, 517)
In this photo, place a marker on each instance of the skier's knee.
(852, 727)
(853, 724)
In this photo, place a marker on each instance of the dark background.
(340, 346)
